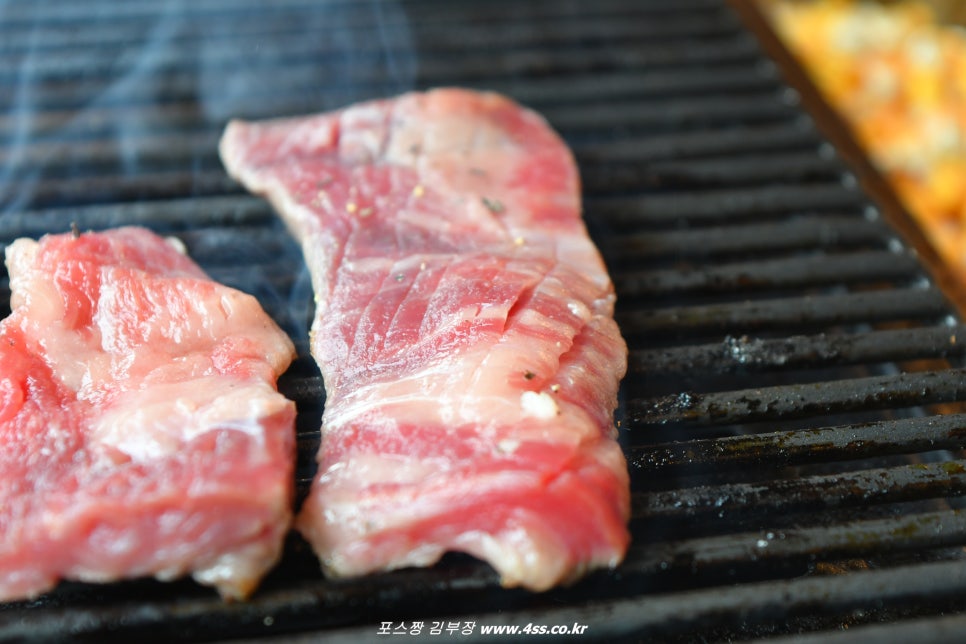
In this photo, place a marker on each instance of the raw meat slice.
(465, 332)
(141, 432)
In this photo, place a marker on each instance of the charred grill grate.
(791, 416)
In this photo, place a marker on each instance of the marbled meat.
(141, 432)
(465, 333)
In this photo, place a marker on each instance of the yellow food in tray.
(898, 76)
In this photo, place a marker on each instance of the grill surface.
(791, 416)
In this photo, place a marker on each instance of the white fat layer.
(431, 385)
(377, 469)
(235, 573)
(154, 423)
(362, 133)
(20, 260)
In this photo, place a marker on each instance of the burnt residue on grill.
(792, 415)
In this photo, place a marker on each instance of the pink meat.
(465, 334)
(141, 432)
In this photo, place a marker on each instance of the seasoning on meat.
(141, 433)
(469, 352)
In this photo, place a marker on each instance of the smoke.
(341, 53)
(108, 106)
(146, 63)
(114, 89)
(15, 184)
(67, 96)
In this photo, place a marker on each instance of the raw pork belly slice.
(141, 432)
(465, 333)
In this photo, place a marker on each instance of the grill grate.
(792, 413)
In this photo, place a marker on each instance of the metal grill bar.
(792, 547)
(498, 10)
(797, 233)
(740, 139)
(373, 40)
(145, 185)
(786, 273)
(815, 445)
(62, 77)
(805, 494)
(751, 108)
(756, 354)
(169, 214)
(789, 313)
(799, 400)
(693, 173)
(715, 206)
(62, 93)
(721, 607)
(179, 112)
(153, 150)
(931, 629)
